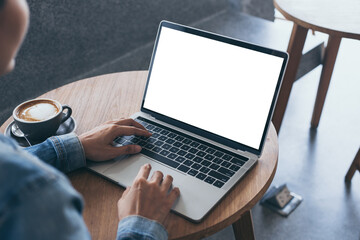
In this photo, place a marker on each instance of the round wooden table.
(338, 19)
(99, 99)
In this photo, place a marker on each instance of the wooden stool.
(355, 165)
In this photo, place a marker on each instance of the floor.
(313, 163)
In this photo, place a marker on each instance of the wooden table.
(338, 19)
(96, 100)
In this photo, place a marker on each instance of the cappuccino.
(37, 110)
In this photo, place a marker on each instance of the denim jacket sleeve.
(63, 152)
(140, 228)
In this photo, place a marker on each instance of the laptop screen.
(216, 86)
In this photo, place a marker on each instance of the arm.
(69, 152)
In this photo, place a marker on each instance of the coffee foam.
(37, 111)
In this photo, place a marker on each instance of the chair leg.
(295, 47)
(355, 165)
(244, 228)
(331, 51)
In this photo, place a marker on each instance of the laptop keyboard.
(187, 154)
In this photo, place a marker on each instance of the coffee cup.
(40, 118)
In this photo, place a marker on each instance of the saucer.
(66, 127)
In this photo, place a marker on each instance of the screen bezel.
(206, 134)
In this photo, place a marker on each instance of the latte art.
(37, 111)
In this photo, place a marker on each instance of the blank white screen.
(218, 87)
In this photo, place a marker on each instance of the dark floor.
(313, 163)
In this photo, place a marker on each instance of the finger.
(173, 195)
(124, 150)
(144, 172)
(128, 131)
(129, 122)
(157, 177)
(166, 184)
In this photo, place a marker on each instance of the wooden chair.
(355, 165)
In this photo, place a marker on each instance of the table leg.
(243, 228)
(296, 45)
(328, 67)
(355, 165)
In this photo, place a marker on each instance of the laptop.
(208, 101)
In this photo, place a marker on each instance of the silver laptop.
(208, 101)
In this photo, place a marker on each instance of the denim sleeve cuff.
(69, 151)
(137, 227)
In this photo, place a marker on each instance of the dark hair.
(2, 3)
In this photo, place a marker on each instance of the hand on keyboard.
(97, 143)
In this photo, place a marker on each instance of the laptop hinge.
(241, 152)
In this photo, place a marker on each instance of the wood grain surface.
(99, 99)
(338, 18)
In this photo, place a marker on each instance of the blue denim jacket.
(38, 202)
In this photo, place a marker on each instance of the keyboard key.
(204, 170)
(166, 146)
(193, 150)
(158, 143)
(186, 141)
(135, 140)
(217, 160)
(188, 163)
(205, 163)
(243, 158)
(218, 184)
(226, 172)
(183, 168)
(155, 135)
(171, 135)
(219, 154)
(177, 144)
(225, 164)
(181, 153)
(164, 132)
(214, 166)
(157, 129)
(179, 138)
(209, 157)
(189, 156)
(160, 158)
(201, 176)
(156, 149)
(210, 150)
(172, 156)
(202, 147)
(197, 159)
(201, 154)
(185, 147)
(149, 146)
(234, 167)
(162, 138)
(150, 127)
(237, 161)
(180, 159)
(164, 152)
(218, 176)
(151, 140)
(210, 180)
(194, 144)
(174, 149)
(142, 143)
(192, 172)
(196, 166)
(227, 157)
(170, 141)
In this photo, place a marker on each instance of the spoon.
(18, 133)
